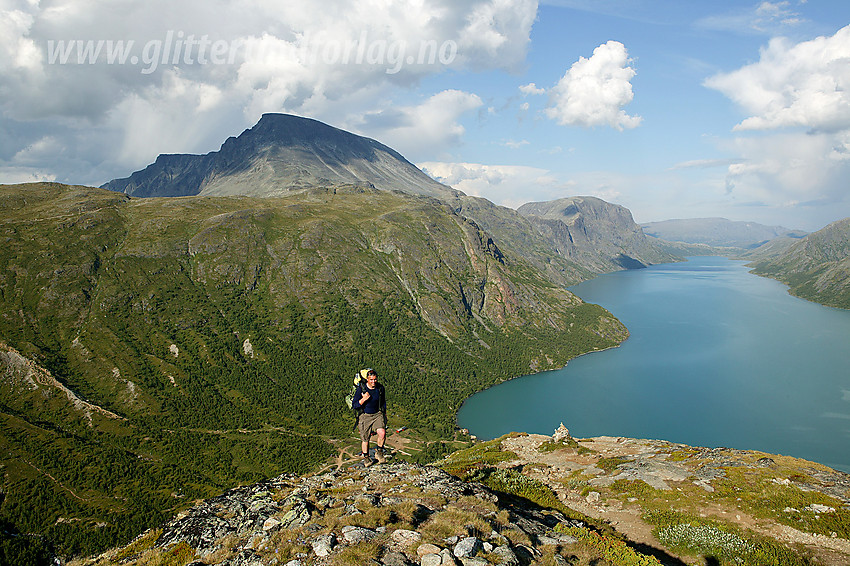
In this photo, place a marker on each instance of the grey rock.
(406, 537)
(244, 558)
(431, 560)
(355, 535)
(369, 499)
(324, 545)
(395, 559)
(447, 557)
(561, 434)
(427, 548)
(467, 548)
(504, 555)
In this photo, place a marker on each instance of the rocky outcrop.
(521, 500)
(394, 514)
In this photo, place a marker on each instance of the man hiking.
(370, 398)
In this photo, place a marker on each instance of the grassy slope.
(816, 268)
(101, 291)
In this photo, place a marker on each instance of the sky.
(672, 109)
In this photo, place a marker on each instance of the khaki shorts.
(367, 424)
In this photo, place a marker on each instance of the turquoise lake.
(716, 357)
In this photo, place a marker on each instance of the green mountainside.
(568, 240)
(817, 267)
(156, 351)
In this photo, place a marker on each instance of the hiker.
(371, 400)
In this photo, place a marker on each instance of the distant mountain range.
(717, 232)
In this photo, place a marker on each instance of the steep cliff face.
(593, 233)
(817, 267)
(281, 154)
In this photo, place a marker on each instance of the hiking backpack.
(359, 377)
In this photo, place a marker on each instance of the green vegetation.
(723, 542)
(209, 342)
(476, 457)
(815, 268)
(609, 548)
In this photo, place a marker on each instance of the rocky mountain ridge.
(284, 154)
(519, 500)
(594, 233)
(281, 154)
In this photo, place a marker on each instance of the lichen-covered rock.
(467, 547)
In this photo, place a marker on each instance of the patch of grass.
(765, 498)
(567, 444)
(485, 454)
(634, 488)
(287, 544)
(611, 464)
(607, 547)
(453, 521)
(721, 541)
(138, 546)
(358, 554)
(682, 454)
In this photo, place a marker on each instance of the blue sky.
(673, 109)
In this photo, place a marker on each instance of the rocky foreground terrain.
(523, 499)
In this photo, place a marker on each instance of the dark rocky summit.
(281, 154)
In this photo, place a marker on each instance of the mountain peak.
(281, 154)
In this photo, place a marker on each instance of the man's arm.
(360, 397)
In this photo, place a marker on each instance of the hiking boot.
(367, 460)
(379, 455)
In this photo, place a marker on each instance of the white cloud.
(796, 150)
(513, 144)
(762, 18)
(594, 91)
(531, 89)
(335, 61)
(415, 131)
(806, 85)
(793, 167)
(507, 185)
